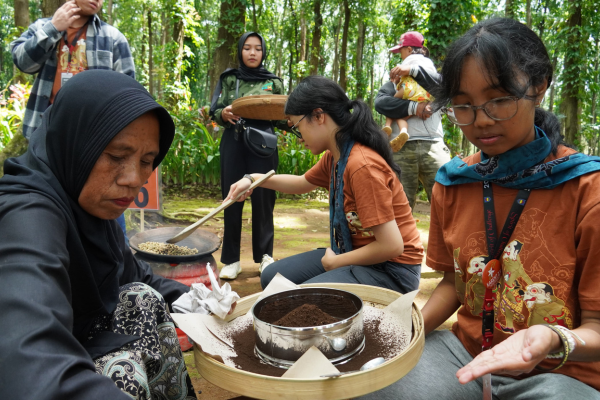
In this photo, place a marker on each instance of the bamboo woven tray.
(266, 107)
(344, 387)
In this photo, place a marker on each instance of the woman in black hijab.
(77, 309)
(249, 79)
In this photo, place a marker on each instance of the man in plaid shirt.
(57, 48)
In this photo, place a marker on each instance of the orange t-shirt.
(373, 195)
(549, 267)
(78, 58)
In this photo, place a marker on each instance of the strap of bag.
(237, 88)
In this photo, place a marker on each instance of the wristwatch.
(249, 177)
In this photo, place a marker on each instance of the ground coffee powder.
(336, 306)
(304, 316)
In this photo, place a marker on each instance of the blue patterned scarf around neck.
(338, 226)
(520, 168)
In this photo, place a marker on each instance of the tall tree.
(360, 45)
(572, 73)
(344, 60)
(21, 15)
(21, 23)
(50, 6)
(232, 24)
(316, 39)
(303, 43)
(336, 56)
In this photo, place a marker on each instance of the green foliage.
(12, 108)
(179, 77)
(294, 159)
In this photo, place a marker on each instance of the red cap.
(412, 39)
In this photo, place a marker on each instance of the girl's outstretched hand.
(240, 186)
(518, 354)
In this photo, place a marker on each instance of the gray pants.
(307, 268)
(434, 377)
(420, 160)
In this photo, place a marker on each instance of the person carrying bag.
(247, 146)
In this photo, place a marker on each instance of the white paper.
(400, 311)
(194, 325)
(278, 284)
(311, 365)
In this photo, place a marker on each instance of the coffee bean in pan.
(167, 249)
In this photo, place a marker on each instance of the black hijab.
(89, 111)
(243, 72)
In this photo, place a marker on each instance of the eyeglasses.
(498, 109)
(295, 130)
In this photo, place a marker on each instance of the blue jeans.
(307, 268)
(434, 377)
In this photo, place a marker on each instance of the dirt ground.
(299, 226)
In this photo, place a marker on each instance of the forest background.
(180, 48)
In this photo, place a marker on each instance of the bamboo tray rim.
(346, 386)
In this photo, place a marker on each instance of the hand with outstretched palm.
(516, 355)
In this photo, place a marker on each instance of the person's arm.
(35, 46)
(522, 351)
(291, 184)
(442, 303)
(223, 113)
(37, 315)
(388, 244)
(390, 106)
(428, 80)
(122, 58)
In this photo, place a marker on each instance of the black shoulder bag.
(261, 142)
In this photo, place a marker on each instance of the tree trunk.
(316, 39)
(509, 8)
(303, 42)
(178, 36)
(150, 55)
(572, 85)
(254, 23)
(21, 15)
(233, 14)
(21, 23)
(336, 56)
(372, 78)
(553, 86)
(344, 61)
(528, 13)
(142, 59)
(109, 12)
(360, 45)
(50, 6)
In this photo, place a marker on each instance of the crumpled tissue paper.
(202, 300)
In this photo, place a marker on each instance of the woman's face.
(252, 52)
(122, 169)
(313, 132)
(490, 136)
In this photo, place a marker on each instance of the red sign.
(148, 197)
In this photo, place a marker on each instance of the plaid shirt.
(36, 52)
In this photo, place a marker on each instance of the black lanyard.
(71, 47)
(495, 246)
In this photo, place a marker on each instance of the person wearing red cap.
(424, 152)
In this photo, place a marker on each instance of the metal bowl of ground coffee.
(289, 323)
